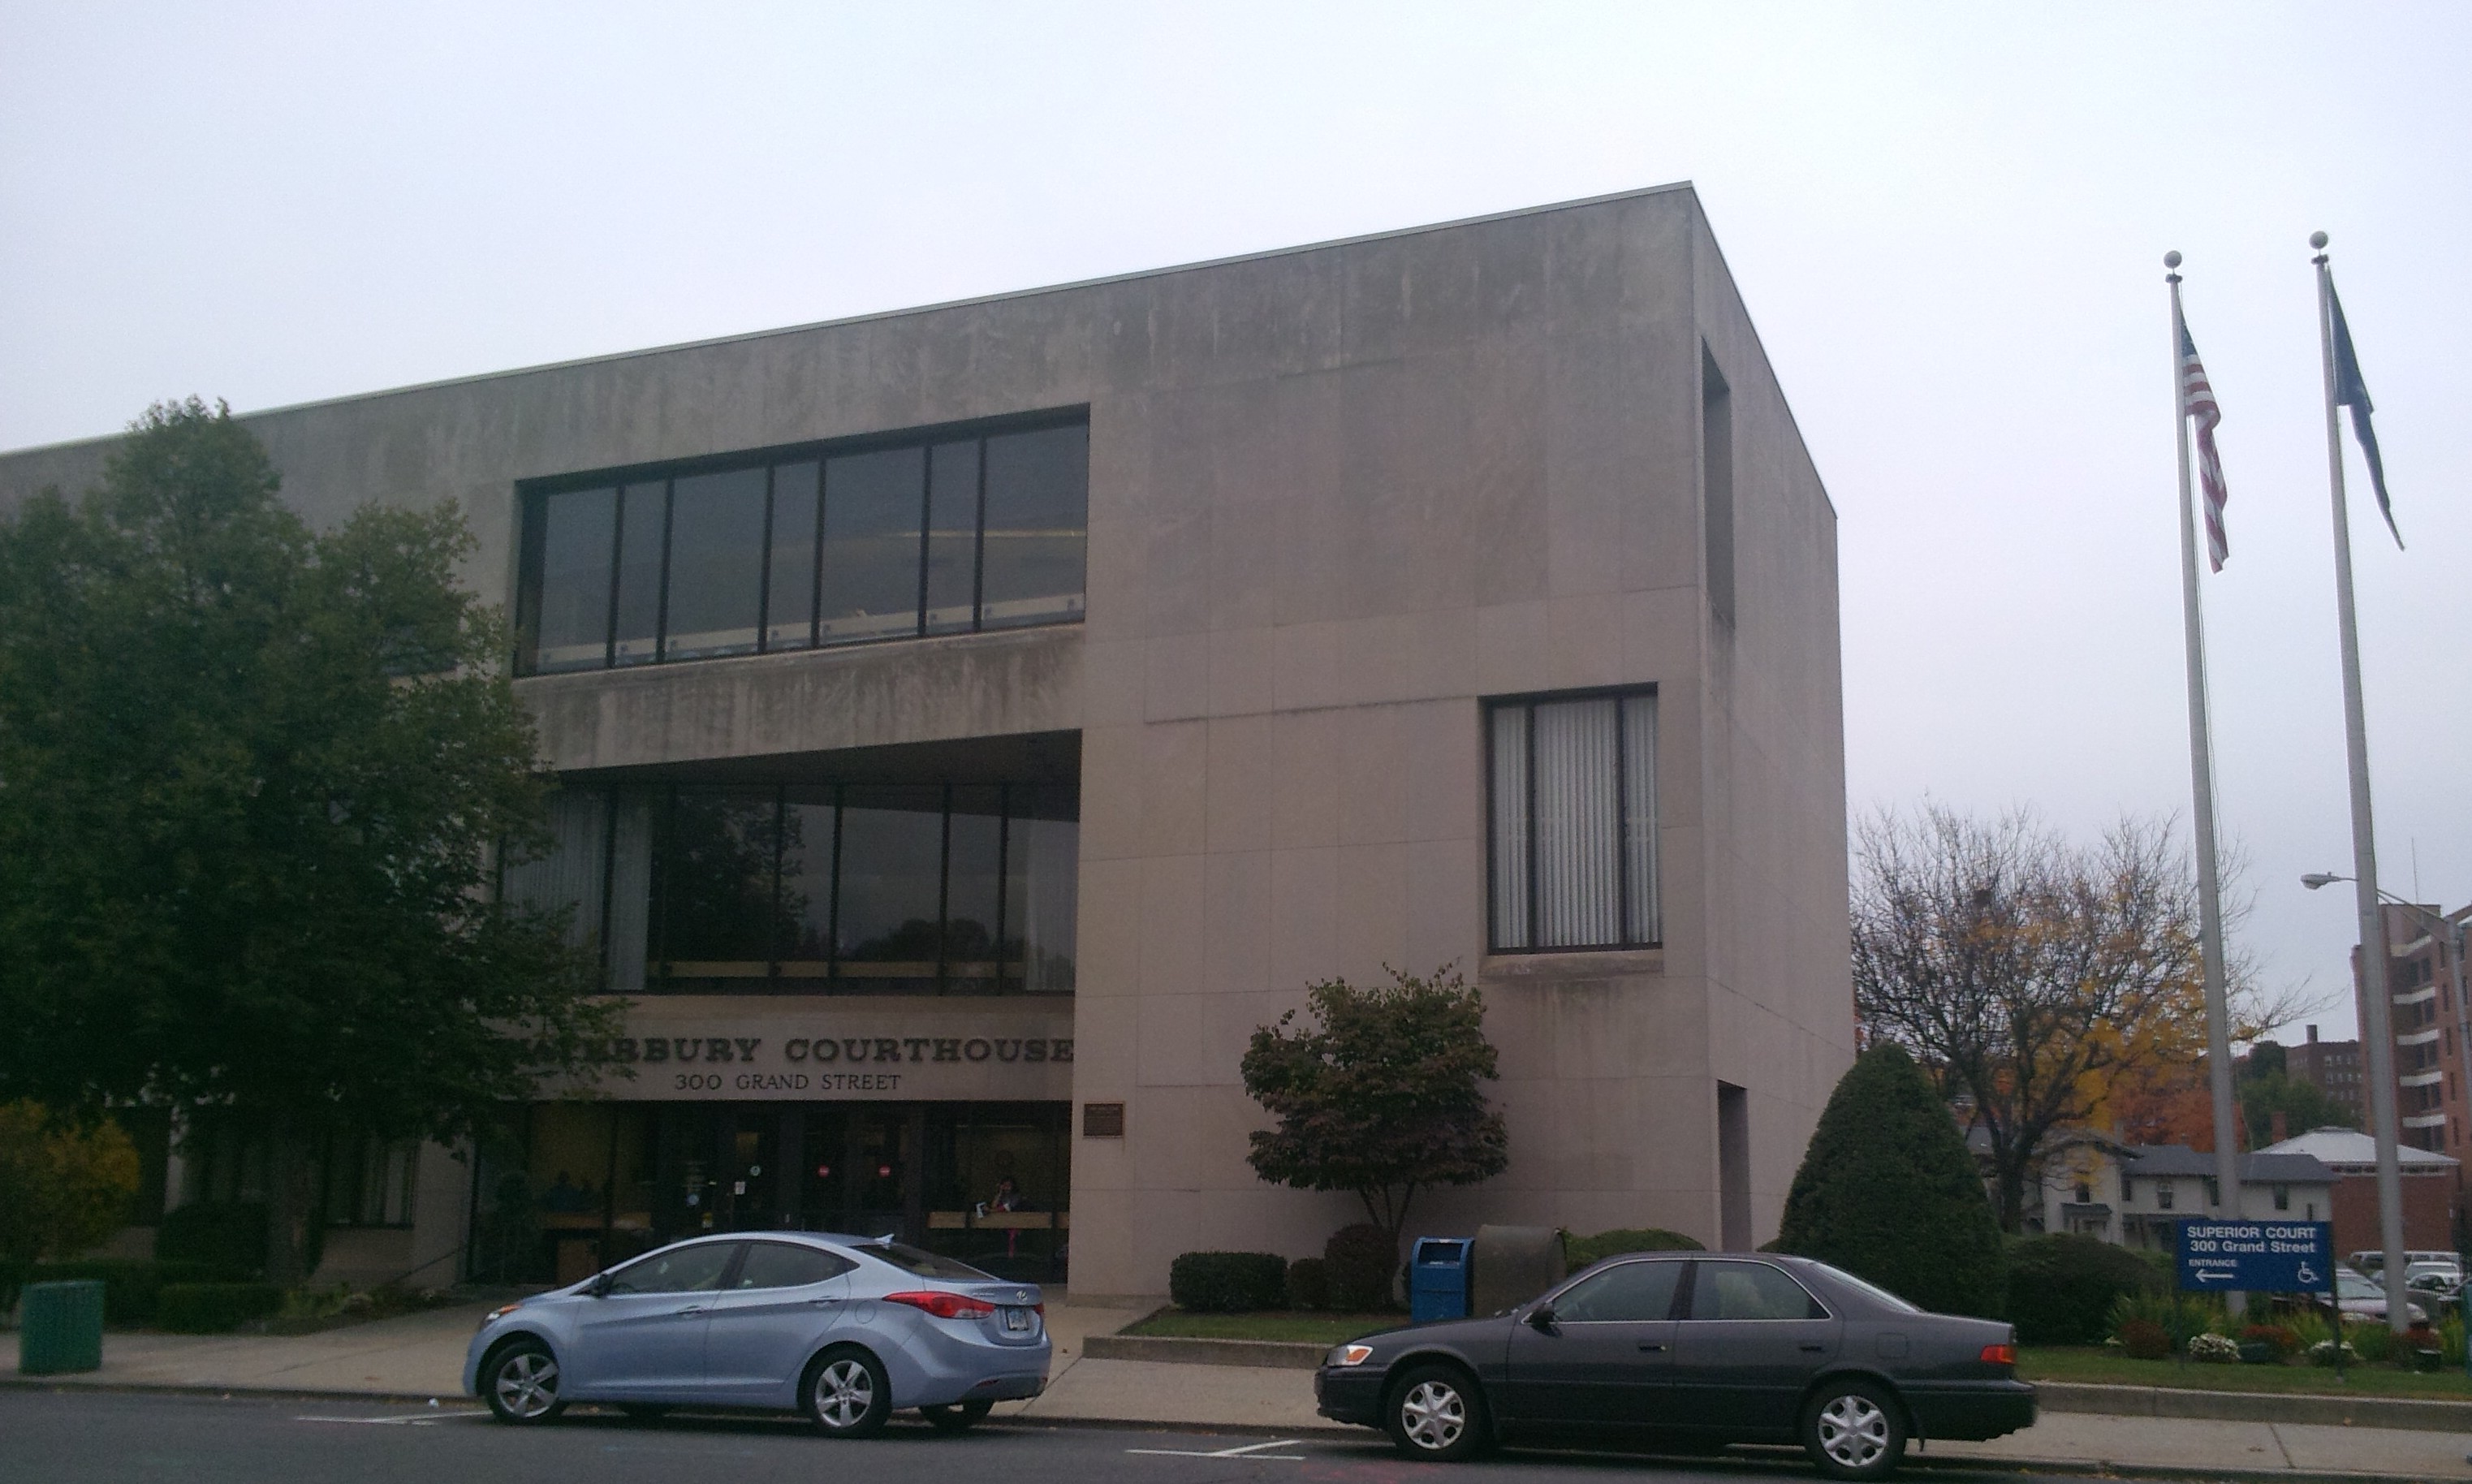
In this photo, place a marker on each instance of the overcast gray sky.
(1947, 220)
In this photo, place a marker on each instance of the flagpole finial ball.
(2318, 240)
(2172, 259)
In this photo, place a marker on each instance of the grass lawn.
(1313, 1325)
(2101, 1364)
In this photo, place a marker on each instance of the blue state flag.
(2353, 392)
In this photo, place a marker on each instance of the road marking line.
(417, 1419)
(1247, 1451)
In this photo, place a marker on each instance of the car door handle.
(1815, 1348)
(1651, 1345)
(692, 1308)
(821, 1303)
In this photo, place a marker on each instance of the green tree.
(2266, 1087)
(1382, 1096)
(65, 1186)
(1888, 1192)
(253, 779)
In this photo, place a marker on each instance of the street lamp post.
(2451, 931)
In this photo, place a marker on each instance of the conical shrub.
(1887, 1192)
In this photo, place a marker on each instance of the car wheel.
(849, 1394)
(1854, 1430)
(643, 1411)
(521, 1384)
(1436, 1414)
(959, 1417)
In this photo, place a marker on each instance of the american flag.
(2197, 401)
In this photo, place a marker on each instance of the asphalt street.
(68, 1437)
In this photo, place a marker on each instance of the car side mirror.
(601, 1286)
(1541, 1319)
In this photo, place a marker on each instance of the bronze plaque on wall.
(1103, 1120)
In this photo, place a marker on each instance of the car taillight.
(1999, 1355)
(945, 1305)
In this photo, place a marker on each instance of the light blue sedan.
(846, 1330)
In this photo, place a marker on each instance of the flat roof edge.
(743, 335)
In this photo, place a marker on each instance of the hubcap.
(843, 1393)
(528, 1383)
(1853, 1431)
(1433, 1415)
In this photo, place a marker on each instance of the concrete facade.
(1339, 495)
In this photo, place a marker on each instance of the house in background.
(2135, 1195)
(2431, 1183)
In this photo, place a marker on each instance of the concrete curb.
(1320, 1429)
(2405, 1413)
(1176, 1350)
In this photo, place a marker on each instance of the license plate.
(1016, 1321)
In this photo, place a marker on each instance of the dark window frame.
(1529, 701)
(656, 971)
(531, 519)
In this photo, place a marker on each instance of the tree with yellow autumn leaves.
(2035, 979)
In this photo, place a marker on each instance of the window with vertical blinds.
(1572, 835)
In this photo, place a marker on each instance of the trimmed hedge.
(1362, 1262)
(1580, 1251)
(1309, 1283)
(1228, 1283)
(1888, 1192)
(131, 1288)
(215, 1309)
(2061, 1287)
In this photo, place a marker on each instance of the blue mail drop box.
(1437, 1279)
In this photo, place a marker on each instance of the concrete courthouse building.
(974, 721)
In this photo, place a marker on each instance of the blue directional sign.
(2258, 1256)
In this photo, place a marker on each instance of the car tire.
(1435, 1413)
(520, 1383)
(847, 1395)
(1854, 1430)
(959, 1417)
(644, 1411)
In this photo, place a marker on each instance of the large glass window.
(1573, 833)
(717, 528)
(947, 533)
(575, 533)
(1037, 516)
(857, 889)
(872, 506)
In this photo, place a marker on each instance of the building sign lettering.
(853, 1049)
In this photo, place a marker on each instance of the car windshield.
(2351, 1285)
(925, 1264)
(1872, 1290)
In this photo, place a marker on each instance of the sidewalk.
(421, 1356)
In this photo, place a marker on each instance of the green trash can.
(59, 1328)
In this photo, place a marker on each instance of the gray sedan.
(1690, 1350)
(846, 1330)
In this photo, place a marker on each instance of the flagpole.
(2376, 1010)
(2201, 782)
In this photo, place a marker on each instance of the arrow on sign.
(2207, 1276)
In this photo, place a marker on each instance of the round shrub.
(1309, 1283)
(1361, 1261)
(2143, 1339)
(1888, 1192)
(1580, 1251)
(214, 1308)
(1228, 1283)
(2061, 1287)
(2214, 1350)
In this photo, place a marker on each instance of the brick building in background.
(2333, 1068)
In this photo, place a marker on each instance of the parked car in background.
(1689, 1350)
(2363, 1298)
(2438, 1281)
(846, 1329)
